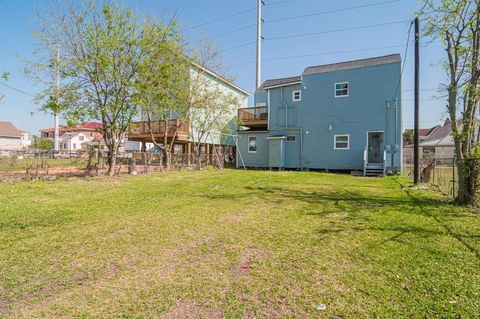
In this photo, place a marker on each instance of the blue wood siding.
(319, 116)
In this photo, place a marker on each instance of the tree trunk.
(112, 160)
(468, 173)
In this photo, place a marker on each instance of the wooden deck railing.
(253, 116)
(140, 131)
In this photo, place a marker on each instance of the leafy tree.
(102, 51)
(408, 137)
(457, 24)
(41, 143)
(161, 88)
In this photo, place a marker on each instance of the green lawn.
(236, 244)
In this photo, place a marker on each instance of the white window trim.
(248, 144)
(335, 89)
(293, 96)
(335, 142)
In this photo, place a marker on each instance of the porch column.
(189, 153)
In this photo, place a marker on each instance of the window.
(261, 104)
(74, 146)
(80, 137)
(342, 142)
(252, 144)
(297, 96)
(91, 134)
(291, 138)
(341, 89)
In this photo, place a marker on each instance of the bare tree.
(457, 24)
(210, 106)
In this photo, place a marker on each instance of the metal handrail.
(365, 161)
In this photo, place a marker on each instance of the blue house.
(344, 117)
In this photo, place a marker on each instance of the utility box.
(276, 151)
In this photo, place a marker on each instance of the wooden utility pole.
(258, 82)
(416, 137)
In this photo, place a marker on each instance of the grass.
(442, 178)
(236, 244)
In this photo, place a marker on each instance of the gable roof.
(220, 78)
(392, 58)
(279, 82)
(87, 126)
(7, 129)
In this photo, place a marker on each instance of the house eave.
(280, 85)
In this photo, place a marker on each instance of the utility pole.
(416, 138)
(259, 43)
(56, 139)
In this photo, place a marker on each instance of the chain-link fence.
(439, 172)
(40, 164)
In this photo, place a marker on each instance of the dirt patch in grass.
(189, 310)
(250, 257)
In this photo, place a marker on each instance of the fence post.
(37, 165)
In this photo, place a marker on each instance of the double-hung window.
(297, 96)
(342, 142)
(342, 89)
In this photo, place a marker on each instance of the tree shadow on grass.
(321, 203)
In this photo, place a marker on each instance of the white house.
(10, 137)
(73, 141)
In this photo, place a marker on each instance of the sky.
(297, 34)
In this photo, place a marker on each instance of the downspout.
(293, 128)
(286, 107)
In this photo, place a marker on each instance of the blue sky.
(18, 20)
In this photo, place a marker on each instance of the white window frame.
(299, 98)
(335, 89)
(248, 144)
(335, 142)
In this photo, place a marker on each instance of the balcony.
(139, 131)
(254, 117)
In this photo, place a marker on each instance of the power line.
(337, 30)
(238, 46)
(235, 14)
(18, 90)
(322, 53)
(404, 60)
(331, 11)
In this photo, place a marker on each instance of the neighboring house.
(74, 141)
(439, 145)
(88, 129)
(342, 116)
(26, 141)
(10, 137)
(187, 132)
(423, 133)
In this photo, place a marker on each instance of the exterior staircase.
(374, 169)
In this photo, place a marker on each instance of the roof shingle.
(7, 129)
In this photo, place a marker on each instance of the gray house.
(344, 116)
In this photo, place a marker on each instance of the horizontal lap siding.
(363, 110)
(258, 159)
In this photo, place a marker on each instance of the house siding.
(10, 143)
(365, 109)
